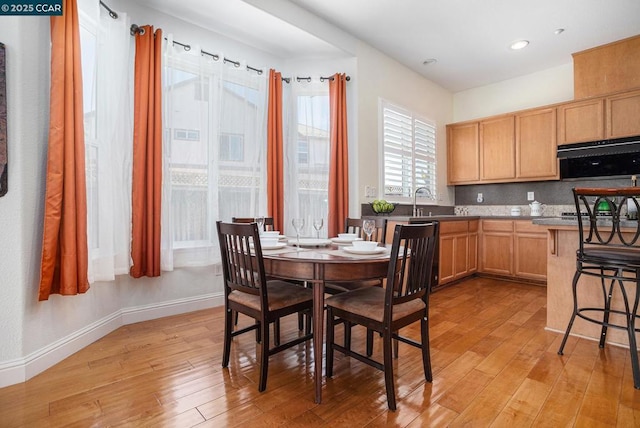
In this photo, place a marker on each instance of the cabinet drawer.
(448, 227)
(525, 226)
(497, 226)
(474, 225)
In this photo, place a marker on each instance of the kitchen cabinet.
(496, 247)
(623, 115)
(581, 121)
(608, 68)
(614, 116)
(535, 145)
(513, 248)
(463, 153)
(530, 245)
(458, 250)
(497, 148)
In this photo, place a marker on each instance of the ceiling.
(469, 38)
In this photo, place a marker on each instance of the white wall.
(382, 77)
(549, 86)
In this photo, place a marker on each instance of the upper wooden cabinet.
(581, 121)
(536, 148)
(623, 115)
(514, 147)
(497, 148)
(606, 69)
(615, 116)
(463, 153)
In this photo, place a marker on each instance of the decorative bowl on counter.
(380, 206)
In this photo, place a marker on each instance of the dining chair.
(403, 301)
(247, 291)
(268, 221)
(611, 254)
(354, 225)
(268, 225)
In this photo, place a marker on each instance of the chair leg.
(395, 347)
(607, 308)
(631, 329)
(228, 326)
(264, 357)
(347, 334)
(369, 342)
(235, 321)
(309, 320)
(426, 352)
(330, 339)
(300, 321)
(388, 370)
(276, 333)
(576, 277)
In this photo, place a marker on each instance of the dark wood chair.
(268, 225)
(403, 301)
(354, 225)
(247, 291)
(613, 256)
(268, 221)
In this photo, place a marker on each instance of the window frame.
(408, 190)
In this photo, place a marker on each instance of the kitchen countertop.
(453, 217)
(563, 222)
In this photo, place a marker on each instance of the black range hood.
(606, 158)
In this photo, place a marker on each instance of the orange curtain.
(339, 158)
(64, 243)
(146, 190)
(275, 157)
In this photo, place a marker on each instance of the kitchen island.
(562, 245)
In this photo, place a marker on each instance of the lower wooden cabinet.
(458, 250)
(513, 248)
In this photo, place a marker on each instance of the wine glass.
(260, 222)
(368, 226)
(317, 225)
(298, 224)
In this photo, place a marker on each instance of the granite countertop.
(453, 217)
(559, 221)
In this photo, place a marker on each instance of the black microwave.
(607, 158)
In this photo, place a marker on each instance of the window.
(186, 134)
(232, 147)
(409, 153)
(307, 153)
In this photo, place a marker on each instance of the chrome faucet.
(415, 195)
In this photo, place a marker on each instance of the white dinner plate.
(310, 242)
(339, 240)
(354, 250)
(275, 246)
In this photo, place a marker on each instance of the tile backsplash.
(515, 194)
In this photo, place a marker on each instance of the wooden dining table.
(315, 266)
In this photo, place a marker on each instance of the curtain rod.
(308, 79)
(112, 13)
(136, 29)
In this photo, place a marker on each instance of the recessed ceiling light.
(559, 31)
(429, 61)
(519, 44)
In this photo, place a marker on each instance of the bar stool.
(611, 254)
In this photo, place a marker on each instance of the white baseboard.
(23, 369)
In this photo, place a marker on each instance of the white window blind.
(409, 153)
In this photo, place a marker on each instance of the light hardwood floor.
(494, 365)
